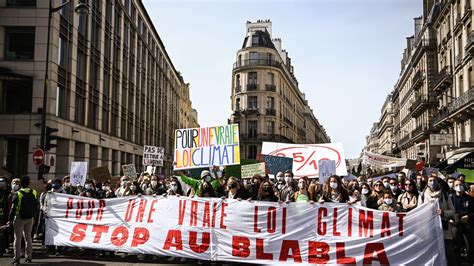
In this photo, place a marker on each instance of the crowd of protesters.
(394, 194)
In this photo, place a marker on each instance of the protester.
(175, 188)
(401, 178)
(265, 192)
(450, 182)
(206, 190)
(135, 189)
(195, 184)
(388, 203)
(386, 183)
(334, 191)
(156, 187)
(434, 191)
(365, 194)
(302, 194)
(420, 182)
(376, 198)
(409, 199)
(462, 224)
(286, 193)
(4, 193)
(314, 190)
(124, 189)
(22, 213)
(67, 186)
(394, 188)
(354, 192)
(235, 191)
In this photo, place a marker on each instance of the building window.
(271, 128)
(252, 78)
(255, 40)
(252, 152)
(62, 52)
(20, 43)
(270, 78)
(21, 3)
(253, 57)
(252, 129)
(270, 103)
(237, 104)
(61, 102)
(252, 103)
(237, 83)
(16, 96)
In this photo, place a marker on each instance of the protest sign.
(327, 168)
(249, 170)
(468, 173)
(383, 160)
(78, 173)
(206, 147)
(306, 156)
(275, 164)
(129, 170)
(101, 174)
(213, 229)
(153, 155)
(411, 165)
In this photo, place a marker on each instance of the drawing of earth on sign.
(306, 156)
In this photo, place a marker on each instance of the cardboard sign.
(129, 170)
(150, 169)
(250, 170)
(78, 173)
(206, 147)
(327, 168)
(275, 164)
(411, 165)
(101, 174)
(306, 156)
(153, 155)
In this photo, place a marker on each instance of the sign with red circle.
(38, 157)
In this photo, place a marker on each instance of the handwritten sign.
(78, 173)
(129, 170)
(101, 174)
(249, 170)
(306, 156)
(327, 168)
(205, 147)
(275, 164)
(153, 155)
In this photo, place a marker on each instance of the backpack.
(28, 204)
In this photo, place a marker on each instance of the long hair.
(235, 181)
(201, 191)
(340, 188)
(261, 190)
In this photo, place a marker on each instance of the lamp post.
(81, 8)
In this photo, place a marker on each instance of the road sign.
(38, 157)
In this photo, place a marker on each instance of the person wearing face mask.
(156, 187)
(71, 190)
(462, 224)
(206, 190)
(135, 189)
(107, 191)
(354, 191)
(394, 188)
(195, 184)
(386, 183)
(265, 192)
(145, 183)
(364, 194)
(124, 189)
(450, 182)
(388, 203)
(286, 193)
(234, 190)
(334, 191)
(376, 197)
(89, 190)
(432, 192)
(409, 199)
(175, 188)
(302, 194)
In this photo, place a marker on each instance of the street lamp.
(81, 8)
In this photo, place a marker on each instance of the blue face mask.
(433, 185)
(56, 186)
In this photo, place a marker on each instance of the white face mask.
(16, 187)
(174, 187)
(208, 179)
(87, 186)
(333, 185)
(106, 188)
(123, 183)
(154, 183)
(388, 201)
(365, 191)
(133, 188)
(450, 185)
(386, 184)
(301, 185)
(288, 179)
(393, 187)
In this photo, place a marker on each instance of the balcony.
(269, 87)
(271, 112)
(421, 103)
(252, 87)
(257, 62)
(444, 79)
(251, 111)
(419, 133)
(417, 80)
(288, 121)
(470, 44)
(460, 109)
(238, 89)
(467, 11)
(403, 141)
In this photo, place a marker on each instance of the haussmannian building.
(266, 100)
(112, 86)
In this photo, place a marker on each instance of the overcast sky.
(346, 54)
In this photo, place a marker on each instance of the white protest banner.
(214, 229)
(327, 168)
(249, 170)
(150, 169)
(206, 147)
(153, 155)
(306, 156)
(129, 170)
(382, 160)
(78, 173)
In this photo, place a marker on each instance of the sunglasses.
(408, 184)
(378, 185)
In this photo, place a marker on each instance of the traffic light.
(47, 143)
